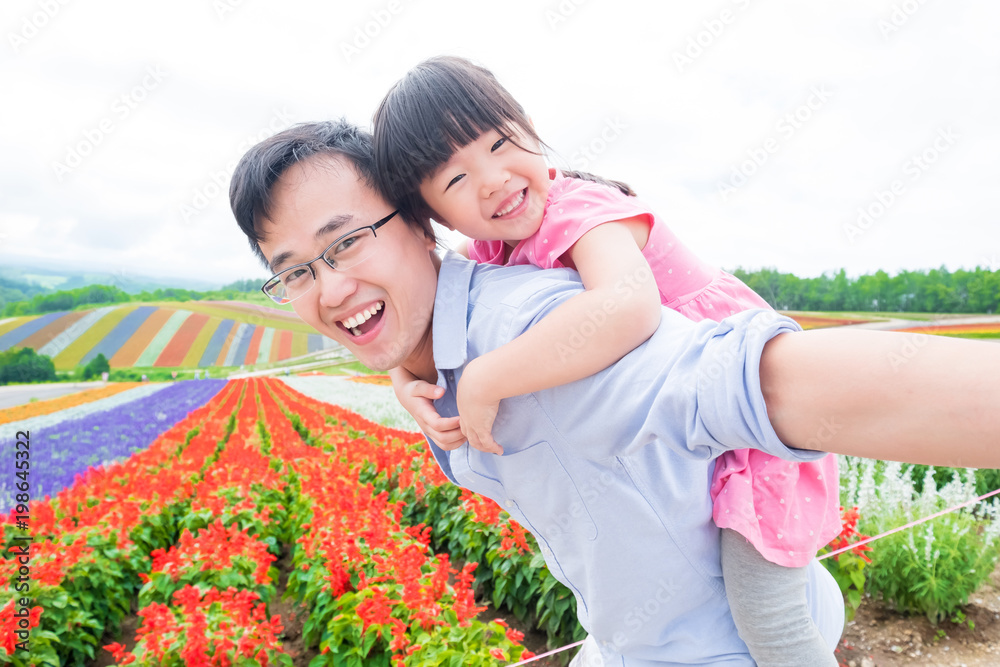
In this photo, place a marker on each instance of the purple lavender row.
(62, 451)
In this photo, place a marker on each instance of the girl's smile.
(491, 188)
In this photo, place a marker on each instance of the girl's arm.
(886, 395)
(585, 335)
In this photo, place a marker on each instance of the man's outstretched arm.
(894, 396)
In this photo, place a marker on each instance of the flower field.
(183, 527)
(29, 410)
(977, 330)
(193, 334)
(188, 529)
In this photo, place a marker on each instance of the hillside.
(193, 334)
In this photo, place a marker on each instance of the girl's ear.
(444, 224)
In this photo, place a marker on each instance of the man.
(610, 473)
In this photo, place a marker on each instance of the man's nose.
(334, 286)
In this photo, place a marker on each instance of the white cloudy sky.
(120, 117)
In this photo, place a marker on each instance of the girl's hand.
(477, 410)
(416, 397)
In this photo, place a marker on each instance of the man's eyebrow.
(332, 225)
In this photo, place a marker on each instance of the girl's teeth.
(510, 207)
(356, 331)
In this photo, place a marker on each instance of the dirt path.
(19, 394)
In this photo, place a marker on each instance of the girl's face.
(491, 189)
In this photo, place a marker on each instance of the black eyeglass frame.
(322, 256)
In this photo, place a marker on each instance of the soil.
(877, 637)
(881, 637)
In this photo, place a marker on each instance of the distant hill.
(50, 277)
(191, 334)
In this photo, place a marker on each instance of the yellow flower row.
(39, 408)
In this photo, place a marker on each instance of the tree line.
(932, 291)
(93, 295)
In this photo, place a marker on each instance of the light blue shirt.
(611, 473)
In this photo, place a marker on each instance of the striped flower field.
(974, 330)
(29, 410)
(188, 335)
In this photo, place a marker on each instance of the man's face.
(379, 309)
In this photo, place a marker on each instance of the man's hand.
(416, 397)
(477, 410)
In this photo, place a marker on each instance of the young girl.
(452, 144)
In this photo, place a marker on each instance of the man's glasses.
(349, 250)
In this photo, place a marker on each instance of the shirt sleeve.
(728, 405)
(574, 208)
(486, 252)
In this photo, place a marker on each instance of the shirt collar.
(451, 308)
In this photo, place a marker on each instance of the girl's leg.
(770, 608)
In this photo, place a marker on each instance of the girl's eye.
(454, 180)
(500, 142)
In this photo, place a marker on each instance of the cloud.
(151, 191)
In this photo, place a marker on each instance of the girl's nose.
(494, 179)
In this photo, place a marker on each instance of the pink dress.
(788, 511)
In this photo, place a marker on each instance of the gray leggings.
(769, 606)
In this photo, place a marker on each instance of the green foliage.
(518, 582)
(25, 365)
(849, 573)
(96, 366)
(987, 479)
(933, 570)
(16, 300)
(67, 300)
(933, 291)
(17, 290)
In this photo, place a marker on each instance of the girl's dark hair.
(250, 191)
(441, 105)
(606, 182)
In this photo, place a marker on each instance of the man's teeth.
(511, 206)
(355, 321)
